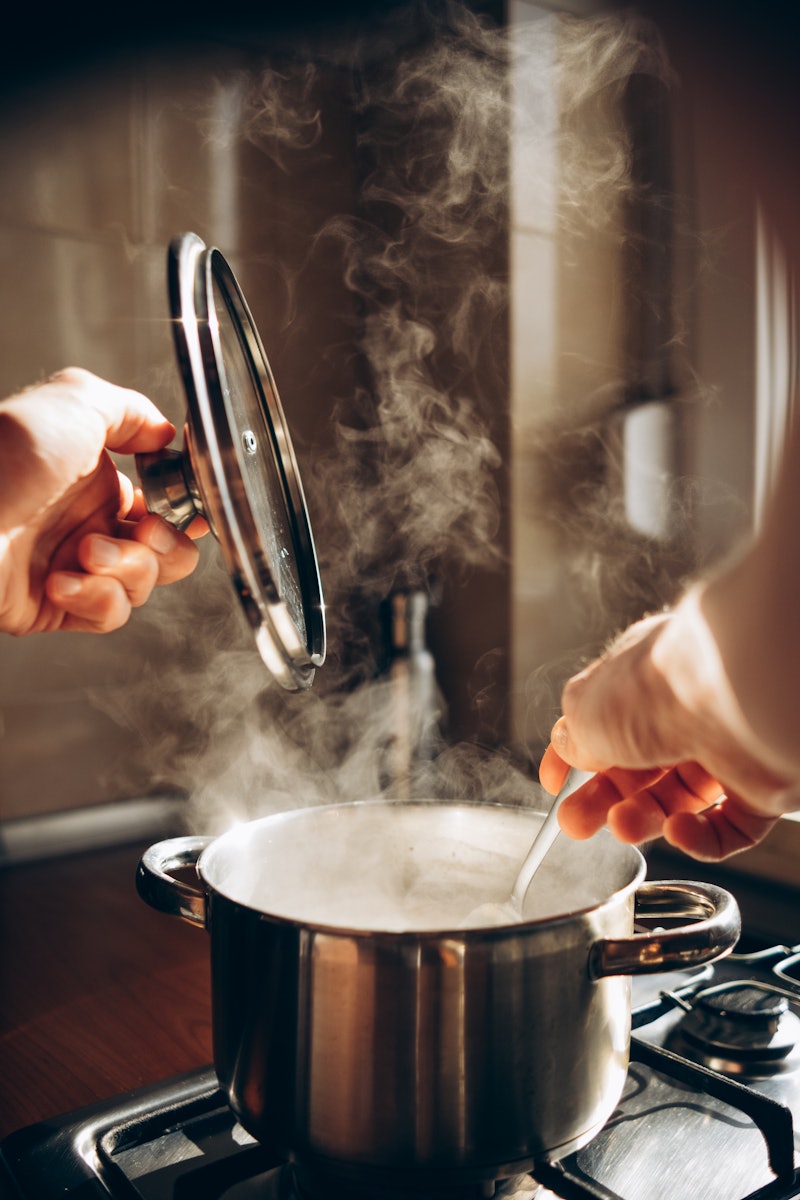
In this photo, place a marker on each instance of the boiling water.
(397, 868)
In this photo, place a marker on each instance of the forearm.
(751, 607)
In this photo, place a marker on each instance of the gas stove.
(707, 1111)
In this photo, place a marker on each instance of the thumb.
(573, 752)
(130, 421)
(133, 423)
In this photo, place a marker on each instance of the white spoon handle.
(548, 832)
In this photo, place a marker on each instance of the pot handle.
(161, 890)
(713, 930)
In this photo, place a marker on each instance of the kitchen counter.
(99, 994)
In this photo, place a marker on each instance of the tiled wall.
(97, 173)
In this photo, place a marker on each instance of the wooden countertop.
(99, 994)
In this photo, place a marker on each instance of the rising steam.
(409, 487)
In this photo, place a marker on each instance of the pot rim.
(437, 934)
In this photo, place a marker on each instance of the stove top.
(708, 1110)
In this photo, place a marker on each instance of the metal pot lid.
(237, 467)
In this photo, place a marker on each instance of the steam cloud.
(409, 487)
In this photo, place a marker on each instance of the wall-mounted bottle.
(412, 691)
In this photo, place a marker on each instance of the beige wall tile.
(68, 302)
(60, 751)
(67, 156)
(189, 145)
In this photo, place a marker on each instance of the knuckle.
(110, 606)
(73, 377)
(114, 614)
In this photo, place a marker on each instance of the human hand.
(78, 551)
(656, 719)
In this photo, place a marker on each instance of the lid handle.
(169, 486)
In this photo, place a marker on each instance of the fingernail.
(162, 538)
(559, 736)
(67, 585)
(104, 552)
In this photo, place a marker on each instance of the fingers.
(175, 553)
(135, 566)
(120, 574)
(720, 831)
(645, 807)
(657, 696)
(552, 770)
(585, 811)
(91, 603)
(101, 413)
(153, 553)
(594, 804)
(637, 804)
(684, 804)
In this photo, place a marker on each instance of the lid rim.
(193, 270)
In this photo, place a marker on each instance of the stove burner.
(741, 1028)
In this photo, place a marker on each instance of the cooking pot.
(361, 1031)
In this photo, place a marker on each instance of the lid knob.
(169, 486)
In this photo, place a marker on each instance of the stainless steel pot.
(359, 1047)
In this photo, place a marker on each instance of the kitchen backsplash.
(98, 172)
(101, 168)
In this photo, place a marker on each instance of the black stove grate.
(774, 1120)
(771, 1117)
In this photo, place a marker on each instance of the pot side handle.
(713, 931)
(158, 887)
